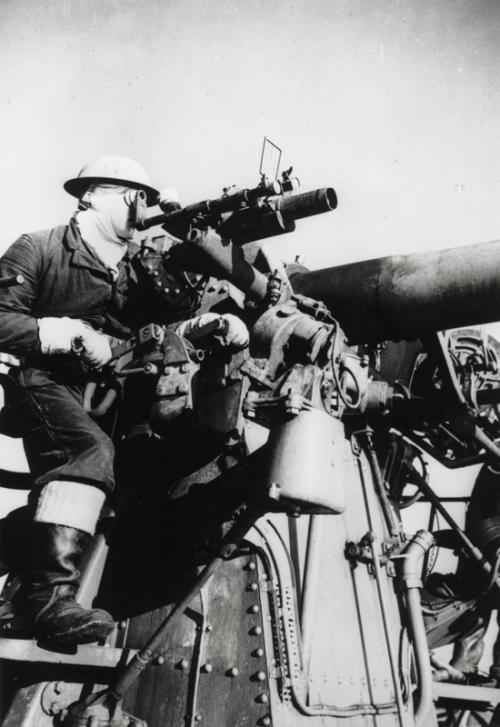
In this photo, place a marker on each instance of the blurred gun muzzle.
(308, 204)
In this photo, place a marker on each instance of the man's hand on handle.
(64, 335)
(231, 330)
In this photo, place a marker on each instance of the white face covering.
(105, 223)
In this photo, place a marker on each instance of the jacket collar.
(82, 255)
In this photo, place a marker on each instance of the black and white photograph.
(250, 363)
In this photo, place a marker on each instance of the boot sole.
(85, 634)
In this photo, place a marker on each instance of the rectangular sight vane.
(270, 160)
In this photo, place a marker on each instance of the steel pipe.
(312, 576)
(411, 577)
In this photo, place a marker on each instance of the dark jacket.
(63, 277)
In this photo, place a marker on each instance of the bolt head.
(197, 717)
(207, 668)
(256, 631)
(265, 721)
(261, 676)
(184, 664)
(55, 707)
(234, 671)
(254, 608)
(258, 652)
(263, 698)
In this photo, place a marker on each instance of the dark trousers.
(61, 440)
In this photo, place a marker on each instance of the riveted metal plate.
(236, 689)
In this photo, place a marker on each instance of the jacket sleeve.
(18, 327)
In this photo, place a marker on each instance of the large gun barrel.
(409, 296)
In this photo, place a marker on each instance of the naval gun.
(260, 566)
(338, 417)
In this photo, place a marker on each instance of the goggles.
(127, 193)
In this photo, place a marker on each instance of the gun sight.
(246, 214)
(174, 220)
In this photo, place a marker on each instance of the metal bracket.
(54, 699)
(361, 552)
(268, 586)
(355, 445)
(277, 672)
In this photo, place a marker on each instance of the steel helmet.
(110, 169)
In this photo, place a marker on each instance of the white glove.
(95, 348)
(58, 335)
(235, 335)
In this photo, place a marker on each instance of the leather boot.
(50, 580)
